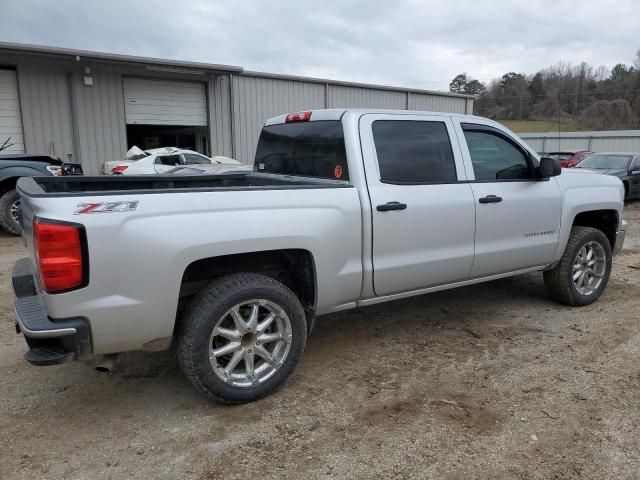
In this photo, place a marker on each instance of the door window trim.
(477, 127)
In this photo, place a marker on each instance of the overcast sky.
(403, 42)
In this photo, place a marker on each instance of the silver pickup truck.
(344, 209)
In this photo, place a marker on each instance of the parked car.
(160, 160)
(233, 269)
(625, 166)
(569, 158)
(16, 165)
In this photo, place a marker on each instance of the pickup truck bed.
(171, 183)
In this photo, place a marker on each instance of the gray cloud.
(407, 42)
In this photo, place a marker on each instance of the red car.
(569, 158)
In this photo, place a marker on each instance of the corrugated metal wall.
(609, 141)
(237, 106)
(220, 115)
(433, 103)
(356, 97)
(256, 99)
(45, 104)
(100, 126)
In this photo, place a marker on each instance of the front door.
(422, 211)
(517, 216)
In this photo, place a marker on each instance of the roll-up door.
(161, 102)
(11, 136)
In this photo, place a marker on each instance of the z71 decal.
(106, 207)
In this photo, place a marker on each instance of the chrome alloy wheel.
(589, 268)
(15, 211)
(249, 344)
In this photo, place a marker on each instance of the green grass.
(536, 126)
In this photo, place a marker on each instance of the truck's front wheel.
(583, 271)
(241, 337)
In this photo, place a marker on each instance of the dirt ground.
(490, 381)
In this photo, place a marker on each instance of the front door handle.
(490, 199)
(391, 206)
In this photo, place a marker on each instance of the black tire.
(559, 281)
(202, 315)
(7, 221)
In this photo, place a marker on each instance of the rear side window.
(169, 160)
(309, 149)
(413, 151)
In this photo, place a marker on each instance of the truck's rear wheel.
(10, 212)
(583, 271)
(241, 337)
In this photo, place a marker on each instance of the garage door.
(160, 102)
(10, 119)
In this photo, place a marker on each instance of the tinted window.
(170, 160)
(310, 149)
(193, 159)
(496, 158)
(413, 151)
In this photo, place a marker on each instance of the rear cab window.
(307, 149)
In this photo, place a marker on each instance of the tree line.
(591, 98)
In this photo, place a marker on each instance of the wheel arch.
(293, 267)
(8, 183)
(605, 220)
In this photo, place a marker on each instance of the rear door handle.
(391, 206)
(490, 199)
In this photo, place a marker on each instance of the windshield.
(559, 155)
(309, 149)
(611, 162)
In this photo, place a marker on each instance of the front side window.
(413, 152)
(494, 157)
(193, 159)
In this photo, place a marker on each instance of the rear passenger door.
(422, 208)
(517, 216)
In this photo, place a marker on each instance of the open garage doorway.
(147, 137)
(166, 113)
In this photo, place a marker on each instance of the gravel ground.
(490, 381)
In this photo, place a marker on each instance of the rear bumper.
(50, 340)
(620, 234)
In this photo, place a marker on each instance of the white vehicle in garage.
(161, 160)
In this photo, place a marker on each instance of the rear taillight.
(298, 117)
(119, 169)
(60, 254)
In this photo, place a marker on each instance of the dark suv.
(14, 166)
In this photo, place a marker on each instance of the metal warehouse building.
(91, 107)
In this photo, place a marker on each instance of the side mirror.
(549, 167)
(635, 171)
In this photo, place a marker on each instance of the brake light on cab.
(61, 255)
(119, 169)
(298, 117)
